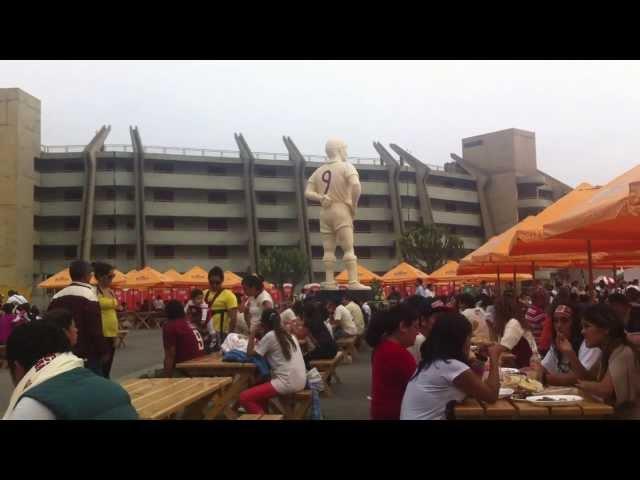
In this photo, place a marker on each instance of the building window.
(267, 198)
(218, 251)
(316, 252)
(265, 225)
(163, 223)
(363, 252)
(365, 201)
(110, 223)
(409, 202)
(450, 207)
(71, 166)
(131, 224)
(218, 224)
(163, 167)
(70, 252)
(111, 251)
(217, 170)
(106, 165)
(164, 251)
(264, 171)
(130, 195)
(163, 195)
(314, 225)
(391, 252)
(389, 227)
(471, 144)
(217, 197)
(72, 195)
(110, 193)
(131, 252)
(362, 227)
(36, 252)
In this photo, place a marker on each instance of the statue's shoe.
(329, 286)
(357, 286)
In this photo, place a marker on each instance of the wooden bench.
(122, 335)
(327, 369)
(347, 345)
(260, 417)
(293, 407)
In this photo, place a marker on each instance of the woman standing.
(618, 380)
(108, 308)
(392, 365)
(284, 356)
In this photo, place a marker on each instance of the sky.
(584, 113)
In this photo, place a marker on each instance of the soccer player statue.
(336, 186)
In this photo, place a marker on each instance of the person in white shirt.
(258, 299)
(477, 318)
(282, 352)
(340, 320)
(514, 333)
(355, 311)
(291, 317)
(158, 304)
(367, 313)
(429, 291)
(444, 377)
(420, 290)
(562, 365)
(15, 298)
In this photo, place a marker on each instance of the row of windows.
(361, 252)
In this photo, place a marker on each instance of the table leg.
(229, 396)
(198, 410)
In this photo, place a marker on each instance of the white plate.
(555, 400)
(505, 392)
(510, 371)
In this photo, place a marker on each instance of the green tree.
(282, 265)
(430, 246)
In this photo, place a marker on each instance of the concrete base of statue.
(360, 295)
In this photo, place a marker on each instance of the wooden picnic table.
(242, 377)
(146, 320)
(164, 398)
(506, 409)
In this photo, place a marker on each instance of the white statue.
(336, 186)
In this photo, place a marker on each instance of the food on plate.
(522, 386)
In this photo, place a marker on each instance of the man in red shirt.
(182, 341)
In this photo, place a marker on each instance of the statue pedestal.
(360, 295)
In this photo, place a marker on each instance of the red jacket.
(392, 368)
(80, 299)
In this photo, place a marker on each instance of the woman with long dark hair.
(282, 352)
(618, 379)
(318, 342)
(562, 365)
(513, 332)
(109, 306)
(390, 333)
(443, 376)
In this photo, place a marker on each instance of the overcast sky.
(585, 114)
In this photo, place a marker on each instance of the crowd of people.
(422, 362)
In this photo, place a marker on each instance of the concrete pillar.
(482, 180)
(138, 177)
(89, 191)
(393, 169)
(248, 162)
(299, 163)
(19, 146)
(422, 172)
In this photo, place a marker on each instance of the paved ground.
(144, 352)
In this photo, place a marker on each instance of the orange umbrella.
(173, 275)
(146, 278)
(403, 273)
(449, 272)
(365, 276)
(494, 257)
(197, 277)
(59, 280)
(117, 281)
(611, 215)
(231, 280)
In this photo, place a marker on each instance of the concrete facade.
(174, 208)
(19, 145)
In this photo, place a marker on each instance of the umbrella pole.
(533, 270)
(590, 259)
(498, 282)
(515, 284)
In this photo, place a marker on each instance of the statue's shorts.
(337, 216)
